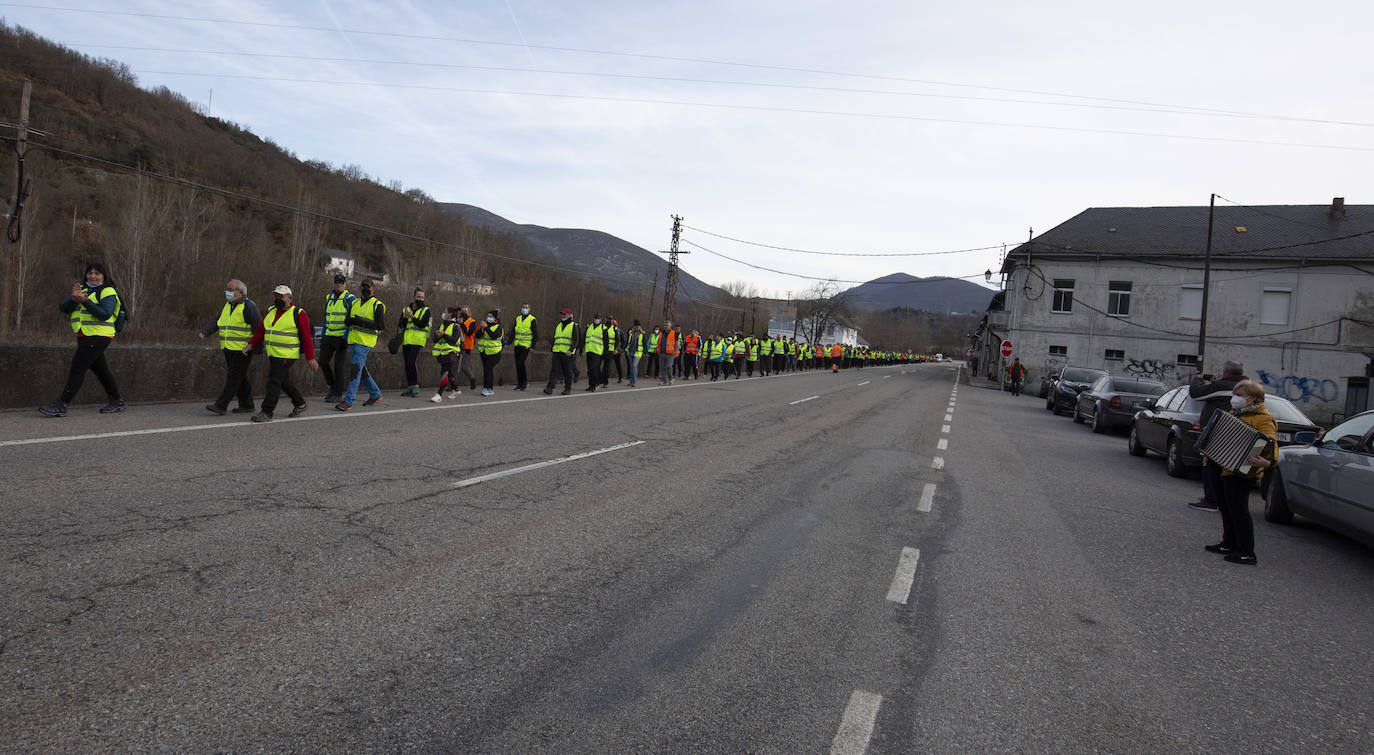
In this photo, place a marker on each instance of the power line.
(613, 53)
(1172, 110)
(842, 254)
(1272, 215)
(762, 108)
(829, 280)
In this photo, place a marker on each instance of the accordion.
(1229, 442)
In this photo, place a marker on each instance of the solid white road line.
(937, 463)
(927, 498)
(802, 400)
(541, 465)
(866, 382)
(856, 727)
(944, 429)
(900, 589)
(942, 444)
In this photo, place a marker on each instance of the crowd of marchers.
(352, 326)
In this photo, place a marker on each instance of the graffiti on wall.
(1167, 372)
(1300, 389)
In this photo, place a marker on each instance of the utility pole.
(653, 292)
(670, 284)
(1206, 289)
(21, 145)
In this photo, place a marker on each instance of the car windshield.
(1284, 411)
(1147, 387)
(1082, 375)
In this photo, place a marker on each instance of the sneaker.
(55, 409)
(372, 400)
(343, 406)
(262, 417)
(437, 398)
(548, 390)
(1247, 559)
(296, 410)
(331, 397)
(115, 405)
(214, 409)
(566, 392)
(1203, 506)
(454, 394)
(488, 392)
(243, 410)
(1221, 548)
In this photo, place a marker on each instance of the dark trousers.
(489, 362)
(1237, 529)
(236, 382)
(606, 360)
(689, 366)
(90, 355)
(739, 367)
(279, 381)
(522, 379)
(714, 369)
(652, 369)
(466, 369)
(411, 352)
(594, 369)
(1211, 483)
(562, 366)
(619, 369)
(334, 363)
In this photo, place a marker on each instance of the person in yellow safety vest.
(740, 352)
(285, 331)
(636, 346)
(93, 308)
(613, 336)
(489, 343)
(414, 325)
(366, 320)
(779, 355)
(753, 353)
(333, 356)
(445, 351)
(652, 369)
(594, 347)
(563, 350)
(765, 355)
(714, 354)
(237, 320)
(522, 337)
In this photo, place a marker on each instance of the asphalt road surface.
(870, 561)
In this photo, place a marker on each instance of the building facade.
(1290, 295)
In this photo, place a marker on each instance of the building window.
(1274, 305)
(1116, 355)
(1059, 351)
(1190, 303)
(1186, 360)
(1063, 295)
(1119, 298)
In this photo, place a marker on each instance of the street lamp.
(987, 276)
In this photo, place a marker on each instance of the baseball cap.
(565, 311)
(282, 290)
(340, 278)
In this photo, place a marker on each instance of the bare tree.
(27, 254)
(133, 254)
(307, 238)
(824, 308)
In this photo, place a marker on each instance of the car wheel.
(1276, 502)
(1174, 460)
(1077, 416)
(1133, 446)
(1097, 425)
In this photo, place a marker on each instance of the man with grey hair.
(1215, 395)
(237, 321)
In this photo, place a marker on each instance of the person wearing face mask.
(1237, 530)
(563, 348)
(445, 351)
(615, 343)
(238, 318)
(741, 354)
(93, 311)
(636, 343)
(285, 331)
(414, 326)
(594, 347)
(366, 320)
(522, 337)
(334, 340)
(652, 369)
(489, 343)
(1215, 396)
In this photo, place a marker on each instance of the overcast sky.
(427, 93)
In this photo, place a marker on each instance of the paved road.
(747, 568)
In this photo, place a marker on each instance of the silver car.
(1330, 481)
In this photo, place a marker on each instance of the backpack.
(122, 316)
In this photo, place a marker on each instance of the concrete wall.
(32, 376)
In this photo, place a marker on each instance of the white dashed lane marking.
(937, 463)
(927, 498)
(856, 727)
(944, 429)
(802, 400)
(942, 444)
(900, 589)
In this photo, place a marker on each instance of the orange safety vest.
(820, 351)
(469, 338)
(670, 342)
(691, 344)
(837, 350)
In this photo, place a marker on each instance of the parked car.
(1047, 380)
(1063, 393)
(1169, 425)
(1113, 401)
(1330, 482)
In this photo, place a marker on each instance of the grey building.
(1291, 295)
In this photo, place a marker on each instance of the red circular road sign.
(1006, 348)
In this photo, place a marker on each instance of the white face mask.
(490, 318)
(1238, 402)
(524, 310)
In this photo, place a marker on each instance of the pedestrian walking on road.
(651, 370)
(635, 346)
(522, 338)
(594, 346)
(468, 326)
(333, 356)
(285, 331)
(447, 352)
(489, 343)
(94, 310)
(414, 326)
(615, 343)
(667, 351)
(1016, 375)
(366, 320)
(566, 343)
(1237, 529)
(1215, 396)
(238, 319)
(691, 350)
